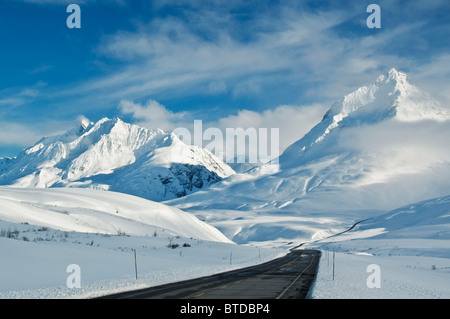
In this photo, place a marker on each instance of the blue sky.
(165, 63)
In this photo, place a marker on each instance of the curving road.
(288, 277)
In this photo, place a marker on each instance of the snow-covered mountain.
(380, 147)
(118, 156)
(379, 134)
(391, 96)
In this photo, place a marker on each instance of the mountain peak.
(394, 74)
(84, 123)
(396, 81)
(391, 96)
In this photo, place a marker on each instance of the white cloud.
(16, 134)
(11, 98)
(12, 101)
(292, 122)
(154, 115)
(433, 77)
(20, 135)
(408, 146)
(174, 55)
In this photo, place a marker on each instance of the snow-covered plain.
(36, 267)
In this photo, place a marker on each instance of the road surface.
(288, 277)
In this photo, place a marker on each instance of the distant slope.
(428, 219)
(104, 212)
(118, 156)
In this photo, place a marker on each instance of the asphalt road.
(288, 277)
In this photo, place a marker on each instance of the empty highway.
(288, 277)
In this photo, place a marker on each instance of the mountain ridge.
(91, 154)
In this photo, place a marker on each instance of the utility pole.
(333, 262)
(135, 264)
(328, 258)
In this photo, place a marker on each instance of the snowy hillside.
(380, 147)
(100, 212)
(117, 156)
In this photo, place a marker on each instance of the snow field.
(401, 277)
(35, 260)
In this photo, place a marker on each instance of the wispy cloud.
(433, 77)
(407, 147)
(154, 115)
(214, 51)
(176, 55)
(293, 122)
(12, 98)
(17, 134)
